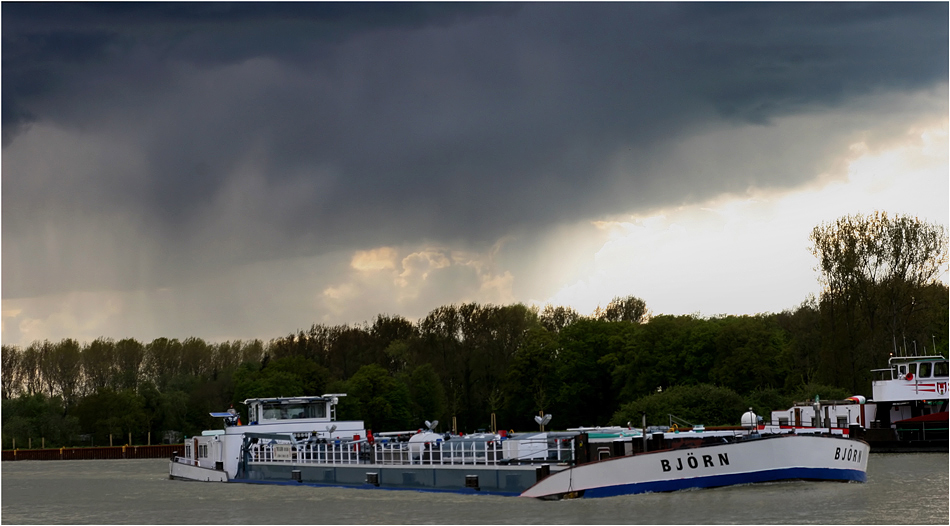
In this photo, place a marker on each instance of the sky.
(237, 171)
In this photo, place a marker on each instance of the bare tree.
(11, 373)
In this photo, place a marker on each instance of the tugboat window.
(940, 370)
(924, 370)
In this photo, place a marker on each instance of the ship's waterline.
(901, 489)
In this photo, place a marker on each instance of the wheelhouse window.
(925, 370)
(277, 411)
(940, 370)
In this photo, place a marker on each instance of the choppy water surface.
(901, 489)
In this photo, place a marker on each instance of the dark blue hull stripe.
(772, 475)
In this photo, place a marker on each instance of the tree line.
(464, 363)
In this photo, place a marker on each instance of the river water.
(901, 489)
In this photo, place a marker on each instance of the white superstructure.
(302, 418)
(908, 407)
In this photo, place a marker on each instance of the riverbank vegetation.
(467, 362)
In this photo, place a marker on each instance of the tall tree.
(381, 400)
(196, 357)
(751, 352)
(873, 269)
(66, 370)
(129, 356)
(556, 318)
(629, 308)
(98, 363)
(30, 369)
(427, 397)
(803, 326)
(531, 382)
(163, 361)
(46, 365)
(10, 371)
(384, 332)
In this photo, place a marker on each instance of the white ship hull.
(768, 459)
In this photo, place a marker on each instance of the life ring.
(909, 377)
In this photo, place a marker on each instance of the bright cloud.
(749, 254)
(383, 258)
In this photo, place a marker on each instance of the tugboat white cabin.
(907, 412)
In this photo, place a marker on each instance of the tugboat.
(299, 441)
(907, 412)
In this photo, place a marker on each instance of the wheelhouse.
(297, 409)
(911, 378)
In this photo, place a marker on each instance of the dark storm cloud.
(387, 123)
(47, 45)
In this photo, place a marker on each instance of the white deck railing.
(440, 453)
(308, 454)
